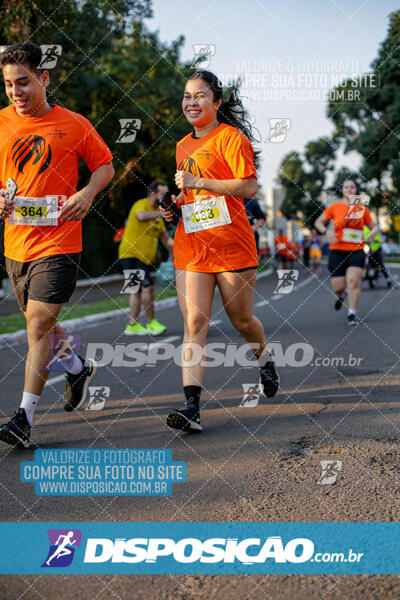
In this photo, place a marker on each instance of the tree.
(303, 179)
(370, 124)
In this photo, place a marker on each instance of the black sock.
(192, 394)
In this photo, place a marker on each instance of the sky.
(288, 53)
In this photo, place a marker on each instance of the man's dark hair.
(153, 187)
(25, 53)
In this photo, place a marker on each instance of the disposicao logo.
(190, 550)
(62, 547)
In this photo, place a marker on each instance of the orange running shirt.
(224, 153)
(42, 156)
(349, 223)
(281, 244)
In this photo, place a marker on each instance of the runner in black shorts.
(40, 147)
(346, 254)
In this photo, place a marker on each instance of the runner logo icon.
(62, 547)
(286, 280)
(133, 280)
(203, 54)
(329, 471)
(97, 397)
(278, 129)
(50, 54)
(129, 129)
(251, 394)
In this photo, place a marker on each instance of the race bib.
(205, 214)
(355, 236)
(37, 211)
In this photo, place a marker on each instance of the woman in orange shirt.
(346, 253)
(214, 242)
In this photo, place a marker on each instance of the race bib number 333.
(37, 211)
(207, 213)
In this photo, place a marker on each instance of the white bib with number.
(36, 211)
(205, 214)
(355, 236)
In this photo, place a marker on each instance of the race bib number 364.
(37, 211)
(210, 212)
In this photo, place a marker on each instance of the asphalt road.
(260, 463)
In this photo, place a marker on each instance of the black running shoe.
(389, 283)
(339, 302)
(186, 418)
(353, 320)
(269, 378)
(17, 432)
(76, 385)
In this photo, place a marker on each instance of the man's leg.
(40, 322)
(148, 301)
(135, 301)
(41, 319)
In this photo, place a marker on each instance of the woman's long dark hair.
(231, 111)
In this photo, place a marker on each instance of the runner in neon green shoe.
(136, 329)
(154, 327)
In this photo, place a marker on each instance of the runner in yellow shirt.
(137, 250)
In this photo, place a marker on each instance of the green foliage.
(371, 125)
(303, 179)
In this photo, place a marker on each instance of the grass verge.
(16, 321)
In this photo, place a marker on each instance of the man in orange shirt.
(40, 147)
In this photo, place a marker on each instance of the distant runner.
(346, 250)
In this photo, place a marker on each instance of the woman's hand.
(185, 180)
(331, 237)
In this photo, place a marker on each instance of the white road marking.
(215, 322)
(262, 303)
(55, 379)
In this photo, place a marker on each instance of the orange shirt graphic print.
(31, 148)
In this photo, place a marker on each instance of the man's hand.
(6, 205)
(77, 206)
(183, 180)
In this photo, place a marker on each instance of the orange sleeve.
(328, 213)
(367, 216)
(92, 148)
(239, 155)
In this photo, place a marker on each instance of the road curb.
(9, 340)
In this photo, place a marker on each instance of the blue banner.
(199, 548)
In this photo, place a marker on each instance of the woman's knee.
(243, 324)
(196, 323)
(353, 282)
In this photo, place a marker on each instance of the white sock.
(72, 364)
(29, 402)
(351, 312)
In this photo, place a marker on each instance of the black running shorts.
(341, 260)
(51, 279)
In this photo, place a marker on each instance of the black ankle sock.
(192, 394)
